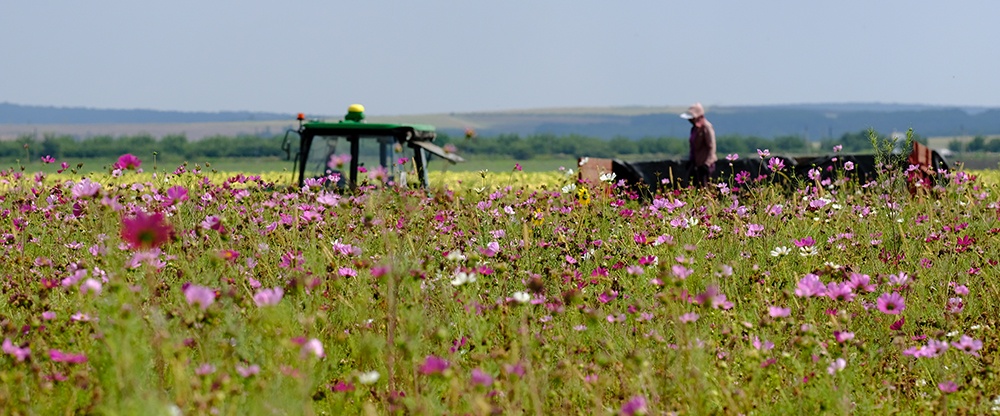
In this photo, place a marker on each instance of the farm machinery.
(920, 163)
(318, 157)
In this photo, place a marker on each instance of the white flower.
(368, 378)
(780, 251)
(583, 161)
(455, 256)
(808, 251)
(462, 278)
(608, 177)
(521, 297)
(569, 188)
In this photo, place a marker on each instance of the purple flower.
(805, 242)
(840, 292)
(688, 317)
(480, 377)
(127, 161)
(268, 297)
(836, 366)
(968, 344)
(200, 295)
(843, 337)
(775, 164)
(247, 370)
(314, 347)
(515, 369)
(778, 312)
(18, 352)
(85, 189)
(177, 194)
(205, 369)
(433, 365)
(810, 285)
(948, 386)
(91, 285)
(635, 406)
(62, 357)
(891, 303)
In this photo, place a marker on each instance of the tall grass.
(496, 296)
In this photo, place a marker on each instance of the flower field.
(188, 292)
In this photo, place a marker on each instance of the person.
(701, 162)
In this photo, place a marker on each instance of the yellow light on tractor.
(355, 112)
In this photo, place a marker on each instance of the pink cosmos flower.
(268, 297)
(778, 312)
(144, 231)
(688, 317)
(810, 285)
(805, 242)
(948, 386)
(840, 292)
(177, 194)
(85, 189)
(199, 295)
(481, 378)
(91, 285)
(843, 337)
(968, 344)
(861, 282)
(246, 371)
(62, 357)
(836, 366)
(127, 161)
(891, 303)
(314, 347)
(18, 352)
(433, 365)
(635, 406)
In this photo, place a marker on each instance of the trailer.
(921, 165)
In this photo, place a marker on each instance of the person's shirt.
(702, 144)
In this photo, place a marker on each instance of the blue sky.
(413, 57)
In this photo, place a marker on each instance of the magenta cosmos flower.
(144, 231)
(891, 303)
(128, 161)
(433, 365)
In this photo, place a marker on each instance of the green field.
(269, 165)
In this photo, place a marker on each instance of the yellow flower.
(537, 218)
(583, 196)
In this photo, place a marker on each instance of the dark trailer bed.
(651, 175)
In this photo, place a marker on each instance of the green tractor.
(318, 156)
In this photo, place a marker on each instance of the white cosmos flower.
(521, 297)
(808, 251)
(608, 177)
(455, 256)
(462, 278)
(368, 378)
(569, 188)
(780, 251)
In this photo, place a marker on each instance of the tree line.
(530, 146)
(31, 147)
(177, 146)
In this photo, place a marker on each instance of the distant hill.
(812, 121)
(23, 114)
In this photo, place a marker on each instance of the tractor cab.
(351, 146)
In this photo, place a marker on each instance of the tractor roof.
(413, 132)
